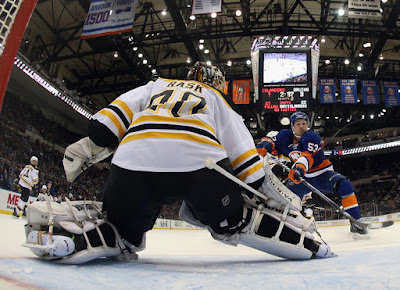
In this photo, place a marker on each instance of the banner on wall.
(206, 6)
(241, 92)
(327, 91)
(370, 92)
(348, 90)
(109, 17)
(226, 89)
(368, 9)
(391, 92)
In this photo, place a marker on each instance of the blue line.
(108, 27)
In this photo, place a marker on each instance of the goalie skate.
(42, 245)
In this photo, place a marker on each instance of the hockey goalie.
(163, 132)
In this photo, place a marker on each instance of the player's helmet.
(44, 187)
(33, 159)
(299, 116)
(208, 74)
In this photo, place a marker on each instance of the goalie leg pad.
(93, 237)
(278, 193)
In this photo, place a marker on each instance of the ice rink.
(179, 259)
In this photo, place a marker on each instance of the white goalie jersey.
(173, 125)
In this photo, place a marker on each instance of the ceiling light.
(346, 61)
(208, 62)
(201, 46)
(145, 61)
(192, 17)
(213, 15)
(229, 63)
(323, 39)
(248, 62)
(238, 12)
(164, 12)
(188, 60)
(206, 51)
(115, 54)
(372, 116)
(201, 40)
(381, 57)
(153, 71)
(360, 54)
(367, 44)
(359, 67)
(134, 48)
(341, 12)
(140, 55)
(327, 61)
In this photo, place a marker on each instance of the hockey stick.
(324, 197)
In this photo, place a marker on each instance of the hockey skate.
(43, 245)
(15, 213)
(359, 233)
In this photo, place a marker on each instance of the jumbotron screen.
(285, 76)
(285, 68)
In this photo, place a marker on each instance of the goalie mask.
(207, 74)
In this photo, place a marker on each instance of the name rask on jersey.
(186, 85)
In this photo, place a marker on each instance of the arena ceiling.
(167, 43)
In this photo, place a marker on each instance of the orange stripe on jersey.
(349, 201)
(324, 164)
(309, 157)
(115, 121)
(125, 108)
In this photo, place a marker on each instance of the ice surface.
(177, 259)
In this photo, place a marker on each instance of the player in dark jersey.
(303, 147)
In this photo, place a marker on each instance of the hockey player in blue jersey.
(303, 147)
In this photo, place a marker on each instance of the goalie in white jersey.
(164, 131)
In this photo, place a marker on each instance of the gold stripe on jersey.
(125, 107)
(170, 135)
(200, 83)
(26, 182)
(113, 119)
(157, 118)
(243, 157)
(250, 171)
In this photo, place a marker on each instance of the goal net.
(14, 17)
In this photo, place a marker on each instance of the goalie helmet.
(207, 74)
(33, 159)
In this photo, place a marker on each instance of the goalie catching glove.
(74, 233)
(81, 155)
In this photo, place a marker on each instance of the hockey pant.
(334, 183)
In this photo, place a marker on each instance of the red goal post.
(14, 18)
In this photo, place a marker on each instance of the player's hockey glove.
(81, 155)
(298, 171)
(266, 145)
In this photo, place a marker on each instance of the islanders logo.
(327, 90)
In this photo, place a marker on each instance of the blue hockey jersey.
(306, 151)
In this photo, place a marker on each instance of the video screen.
(285, 68)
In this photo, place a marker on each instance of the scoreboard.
(285, 70)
